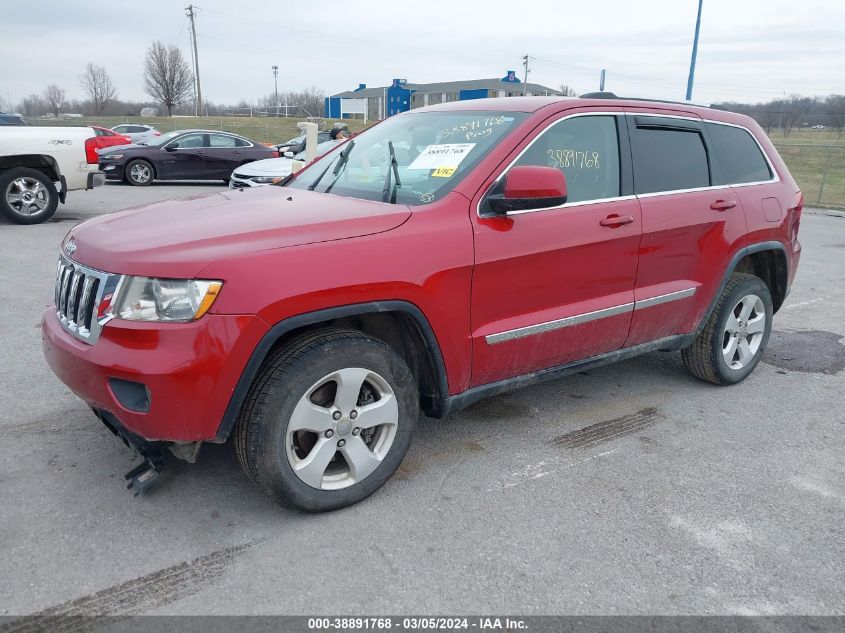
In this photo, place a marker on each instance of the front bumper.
(112, 171)
(185, 373)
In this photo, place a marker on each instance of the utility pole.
(601, 79)
(276, 82)
(525, 80)
(694, 52)
(198, 103)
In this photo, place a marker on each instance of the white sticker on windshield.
(444, 155)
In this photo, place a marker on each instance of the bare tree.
(167, 78)
(31, 106)
(567, 91)
(835, 106)
(55, 98)
(97, 83)
(793, 109)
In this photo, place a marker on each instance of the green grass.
(811, 155)
(812, 163)
(263, 129)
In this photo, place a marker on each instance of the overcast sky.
(750, 50)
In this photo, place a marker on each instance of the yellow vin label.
(443, 172)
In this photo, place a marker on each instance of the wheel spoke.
(747, 306)
(12, 198)
(40, 203)
(757, 325)
(732, 324)
(307, 416)
(745, 353)
(349, 383)
(311, 469)
(360, 458)
(20, 184)
(730, 350)
(385, 411)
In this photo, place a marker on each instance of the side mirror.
(171, 147)
(288, 154)
(529, 187)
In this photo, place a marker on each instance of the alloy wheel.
(744, 330)
(27, 196)
(139, 172)
(342, 429)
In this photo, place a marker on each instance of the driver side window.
(190, 141)
(586, 149)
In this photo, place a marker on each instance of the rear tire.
(736, 333)
(139, 172)
(327, 420)
(27, 196)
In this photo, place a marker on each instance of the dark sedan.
(182, 155)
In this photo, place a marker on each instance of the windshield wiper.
(344, 156)
(389, 193)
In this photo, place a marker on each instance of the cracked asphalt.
(631, 489)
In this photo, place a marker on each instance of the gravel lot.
(694, 500)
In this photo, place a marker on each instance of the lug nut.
(336, 415)
(353, 414)
(341, 443)
(355, 431)
(329, 433)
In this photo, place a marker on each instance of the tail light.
(91, 155)
(795, 215)
(275, 153)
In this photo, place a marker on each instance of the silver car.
(138, 132)
(271, 170)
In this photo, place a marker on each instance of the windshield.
(433, 152)
(161, 140)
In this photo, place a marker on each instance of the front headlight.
(111, 156)
(266, 180)
(149, 299)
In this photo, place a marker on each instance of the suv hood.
(179, 238)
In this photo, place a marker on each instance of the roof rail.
(610, 95)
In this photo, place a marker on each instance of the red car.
(444, 255)
(106, 138)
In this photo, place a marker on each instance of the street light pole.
(694, 52)
(276, 82)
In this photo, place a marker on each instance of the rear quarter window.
(738, 155)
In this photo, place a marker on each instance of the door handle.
(616, 220)
(723, 205)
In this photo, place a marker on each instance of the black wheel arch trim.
(436, 406)
(738, 256)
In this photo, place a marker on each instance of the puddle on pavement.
(813, 351)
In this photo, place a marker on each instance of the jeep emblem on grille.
(70, 247)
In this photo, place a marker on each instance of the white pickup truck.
(39, 165)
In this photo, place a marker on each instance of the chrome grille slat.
(78, 294)
(71, 299)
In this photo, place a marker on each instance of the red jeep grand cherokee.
(444, 255)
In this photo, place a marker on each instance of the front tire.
(27, 196)
(328, 420)
(139, 172)
(736, 333)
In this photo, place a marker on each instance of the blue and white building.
(401, 96)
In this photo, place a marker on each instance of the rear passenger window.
(739, 157)
(586, 149)
(668, 160)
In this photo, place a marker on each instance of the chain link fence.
(819, 170)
